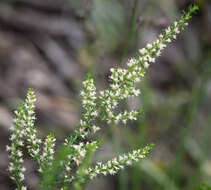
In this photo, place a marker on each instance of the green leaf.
(193, 8)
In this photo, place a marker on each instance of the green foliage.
(193, 8)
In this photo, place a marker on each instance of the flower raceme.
(74, 168)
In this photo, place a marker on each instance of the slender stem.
(131, 32)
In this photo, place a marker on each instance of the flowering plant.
(70, 166)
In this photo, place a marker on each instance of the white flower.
(23, 188)
(143, 51)
(95, 128)
(149, 46)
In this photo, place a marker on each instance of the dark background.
(50, 45)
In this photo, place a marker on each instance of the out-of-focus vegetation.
(50, 45)
(204, 187)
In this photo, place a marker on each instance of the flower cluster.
(123, 80)
(74, 167)
(47, 155)
(24, 133)
(123, 117)
(16, 155)
(77, 155)
(33, 143)
(82, 150)
(113, 166)
(88, 95)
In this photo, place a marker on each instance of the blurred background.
(50, 45)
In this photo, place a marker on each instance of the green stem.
(131, 32)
